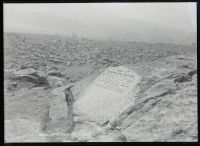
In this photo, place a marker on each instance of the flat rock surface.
(107, 95)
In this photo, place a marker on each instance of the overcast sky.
(28, 17)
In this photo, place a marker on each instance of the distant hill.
(104, 27)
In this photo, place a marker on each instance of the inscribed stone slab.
(107, 96)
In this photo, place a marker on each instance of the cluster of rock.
(41, 51)
(33, 77)
(160, 107)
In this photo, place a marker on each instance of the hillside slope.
(38, 67)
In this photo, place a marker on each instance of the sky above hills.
(102, 20)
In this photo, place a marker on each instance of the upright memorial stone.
(108, 95)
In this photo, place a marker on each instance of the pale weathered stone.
(107, 95)
(55, 81)
(28, 71)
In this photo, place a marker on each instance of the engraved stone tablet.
(108, 95)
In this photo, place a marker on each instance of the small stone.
(56, 73)
(68, 63)
(183, 78)
(23, 67)
(55, 81)
(193, 72)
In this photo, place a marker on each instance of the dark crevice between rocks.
(155, 97)
(70, 101)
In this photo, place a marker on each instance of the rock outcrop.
(163, 109)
